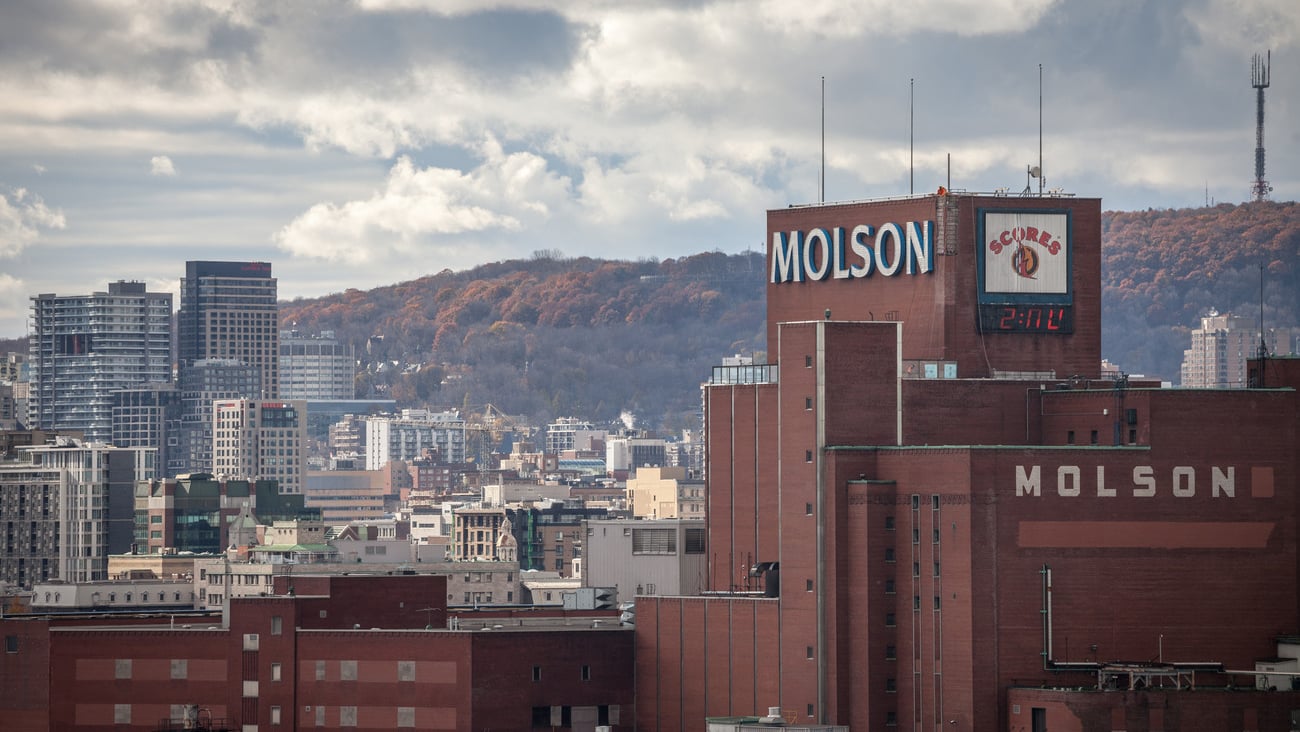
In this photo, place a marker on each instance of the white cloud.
(420, 208)
(22, 216)
(40, 169)
(161, 165)
(14, 300)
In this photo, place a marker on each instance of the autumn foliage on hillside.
(551, 337)
(1164, 269)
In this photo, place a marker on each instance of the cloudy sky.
(356, 143)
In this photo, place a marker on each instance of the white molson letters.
(820, 254)
(1144, 483)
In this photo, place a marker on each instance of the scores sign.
(1024, 272)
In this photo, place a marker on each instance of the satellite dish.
(1035, 171)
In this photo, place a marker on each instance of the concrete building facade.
(65, 508)
(316, 366)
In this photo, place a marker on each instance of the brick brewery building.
(324, 652)
(972, 530)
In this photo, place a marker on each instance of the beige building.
(254, 439)
(662, 493)
(1220, 347)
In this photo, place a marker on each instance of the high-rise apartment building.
(316, 367)
(65, 508)
(408, 436)
(85, 347)
(1220, 347)
(254, 439)
(228, 310)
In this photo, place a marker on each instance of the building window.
(1093, 437)
(809, 651)
(808, 585)
(1069, 437)
(889, 587)
(807, 403)
(936, 569)
(916, 602)
(916, 502)
(810, 710)
(889, 523)
(891, 653)
(275, 715)
(807, 362)
(277, 624)
(890, 620)
(889, 555)
(916, 535)
(891, 719)
(934, 535)
(1132, 437)
(934, 502)
(807, 456)
(891, 685)
(807, 509)
(936, 602)
(537, 673)
(586, 673)
(916, 569)
(654, 541)
(275, 672)
(11, 644)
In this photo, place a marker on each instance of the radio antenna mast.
(1259, 78)
(821, 178)
(911, 146)
(1040, 129)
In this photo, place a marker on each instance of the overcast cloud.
(362, 143)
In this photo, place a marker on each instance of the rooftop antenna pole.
(821, 180)
(1040, 129)
(911, 104)
(1259, 73)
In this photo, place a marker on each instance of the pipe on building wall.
(1048, 661)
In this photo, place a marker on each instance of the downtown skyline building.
(229, 311)
(254, 439)
(84, 348)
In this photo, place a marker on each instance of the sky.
(361, 143)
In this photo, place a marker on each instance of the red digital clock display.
(1026, 318)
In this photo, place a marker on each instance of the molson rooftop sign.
(840, 253)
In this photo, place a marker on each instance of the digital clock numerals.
(1032, 318)
(1027, 318)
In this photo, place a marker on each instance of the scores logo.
(1025, 259)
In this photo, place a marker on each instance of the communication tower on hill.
(1259, 68)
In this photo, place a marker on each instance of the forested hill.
(1164, 269)
(550, 337)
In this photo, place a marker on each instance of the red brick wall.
(1153, 711)
(741, 482)
(25, 676)
(721, 663)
